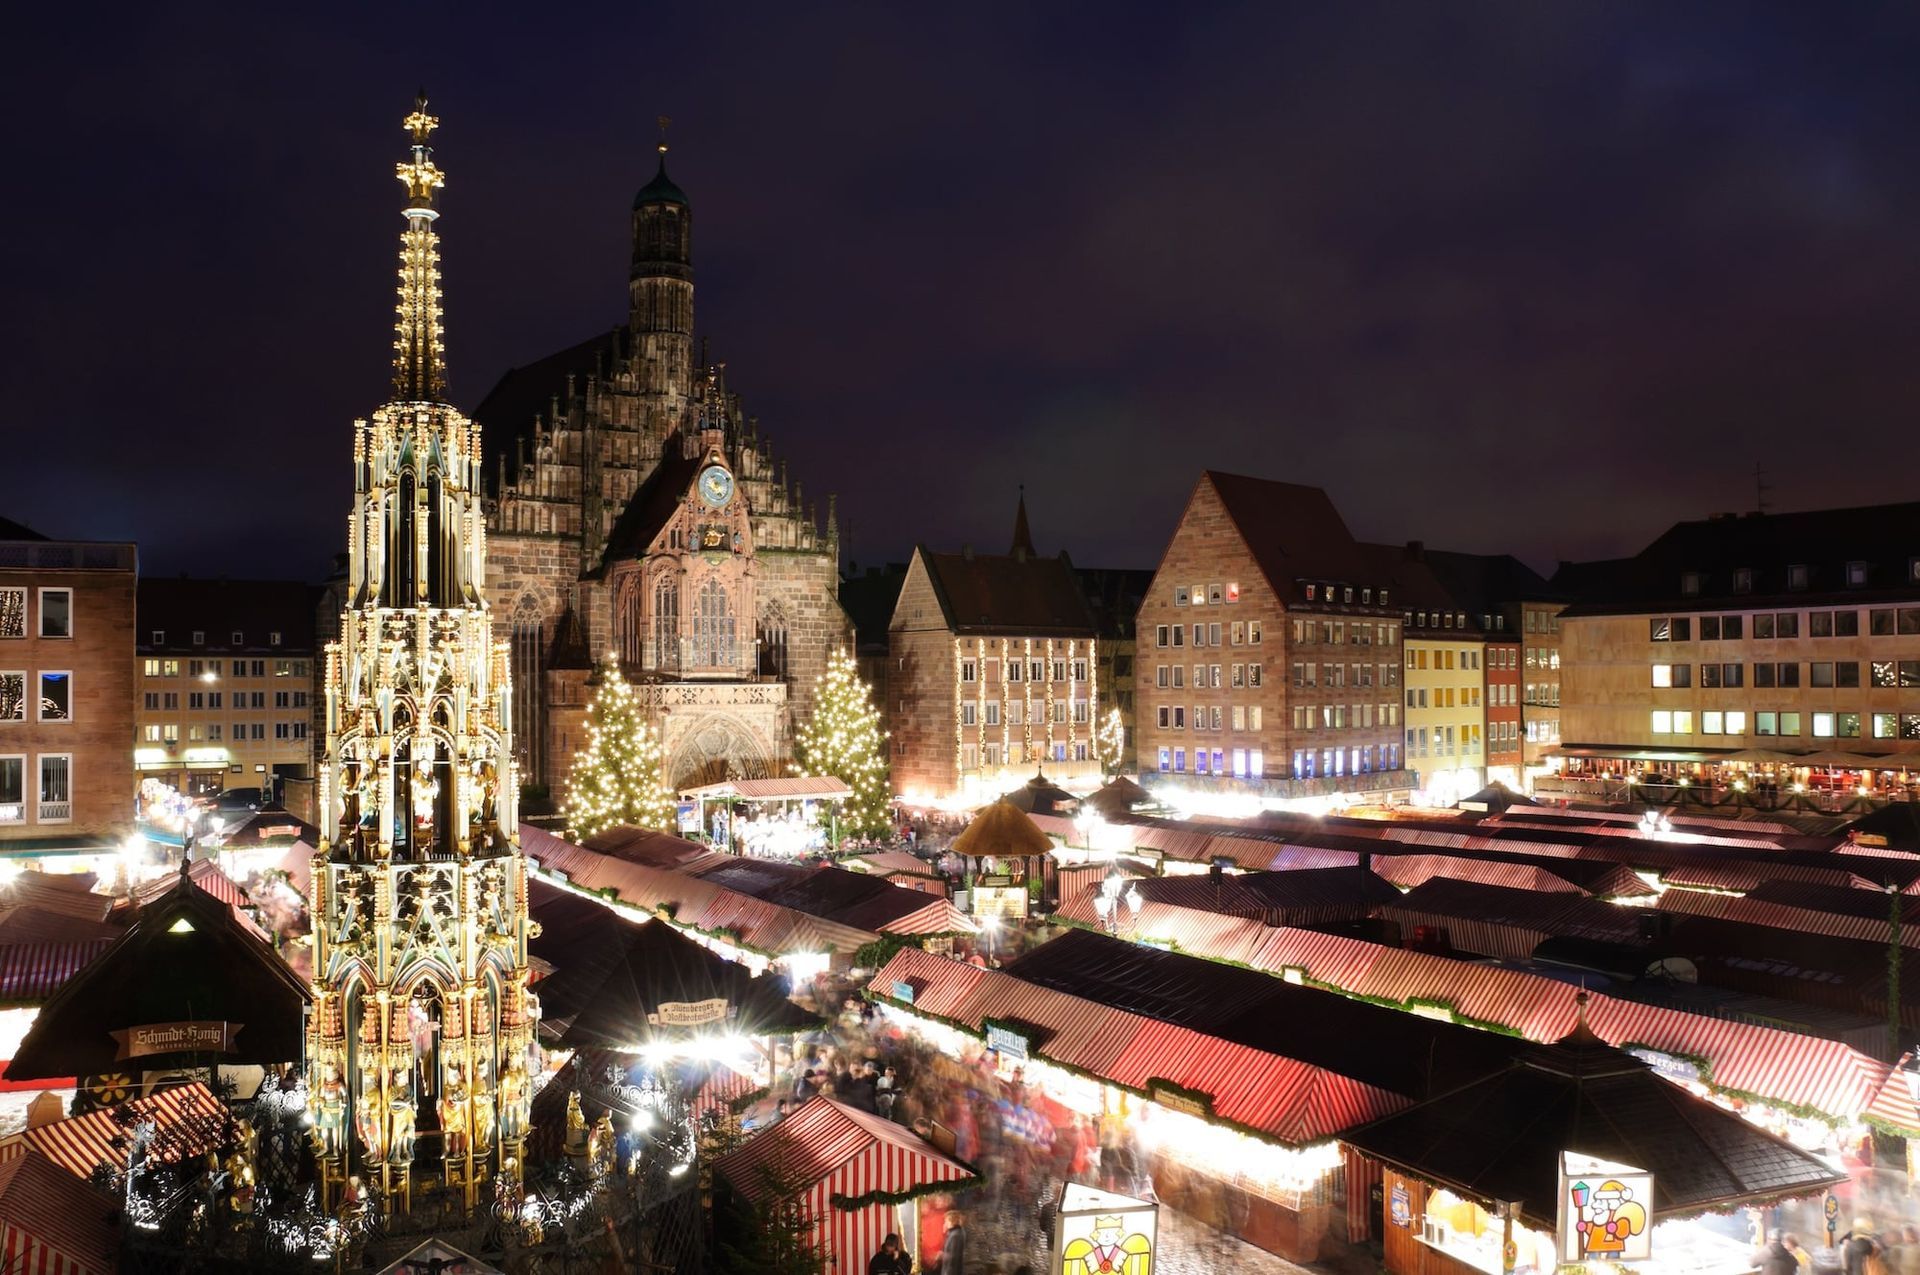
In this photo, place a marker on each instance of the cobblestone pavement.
(1005, 1238)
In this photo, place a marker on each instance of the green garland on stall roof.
(853, 1203)
(745, 1100)
(1162, 1084)
(1025, 1031)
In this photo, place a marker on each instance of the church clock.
(716, 485)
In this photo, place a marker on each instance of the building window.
(969, 671)
(1690, 583)
(56, 787)
(273, 638)
(56, 697)
(1797, 576)
(1743, 579)
(713, 628)
(56, 613)
(1856, 574)
(1663, 675)
(13, 613)
(13, 789)
(1179, 595)
(1823, 725)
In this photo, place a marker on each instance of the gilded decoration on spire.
(419, 356)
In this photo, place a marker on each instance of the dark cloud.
(1517, 276)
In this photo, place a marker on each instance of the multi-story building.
(226, 678)
(1499, 592)
(994, 675)
(66, 692)
(1445, 653)
(1540, 685)
(1269, 653)
(1791, 634)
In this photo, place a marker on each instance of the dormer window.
(1856, 574)
(1311, 591)
(1383, 594)
(1743, 579)
(1366, 596)
(1797, 576)
(1348, 597)
(1690, 583)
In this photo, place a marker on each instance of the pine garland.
(843, 739)
(616, 778)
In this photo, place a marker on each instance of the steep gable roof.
(1007, 593)
(656, 501)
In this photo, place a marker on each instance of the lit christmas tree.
(616, 777)
(1110, 744)
(844, 739)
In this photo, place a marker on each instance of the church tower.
(660, 286)
(422, 1022)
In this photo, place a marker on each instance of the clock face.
(716, 485)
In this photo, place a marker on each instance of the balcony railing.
(13, 812)
(56, 811)
(695, 655)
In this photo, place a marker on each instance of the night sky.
(1537, 277)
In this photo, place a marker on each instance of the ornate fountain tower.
(422, 1022)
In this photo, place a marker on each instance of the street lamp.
(991, 926)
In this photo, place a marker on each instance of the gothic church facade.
(638, 511)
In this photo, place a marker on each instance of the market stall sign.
(1008, 1044)
(1672, 1066)
(1101, 1233)
(1604, 1211)
(1186, 1101)
(689, 1013)
(175, 1038)
(903, 991)
(1400, 1205)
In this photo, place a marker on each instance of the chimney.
(966, 553)
(1416, 550)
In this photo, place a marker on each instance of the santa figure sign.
(1101, 1233)
(1605, 1211)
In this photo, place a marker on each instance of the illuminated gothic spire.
(419, 358)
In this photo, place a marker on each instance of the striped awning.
(31, 972)
(83, 1143)
(938, 917)
(1294, 1102)
(846, 1163)
(50, 1222)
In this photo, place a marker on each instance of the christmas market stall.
(767, 818)
(1008, 856)
(848, 1177)
(647, 989)
(1575, 1153)
(191, 985)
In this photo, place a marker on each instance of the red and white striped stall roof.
(1409, 870)
(1293, 1101)
(83, 1143)
(938, 917)
(51, 1223)
(31, 972)
(840, 1159)
(1779, 1066)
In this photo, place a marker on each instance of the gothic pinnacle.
(419, 357)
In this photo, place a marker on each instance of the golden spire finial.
(420, 123)
(665, 120)
(418, 174)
